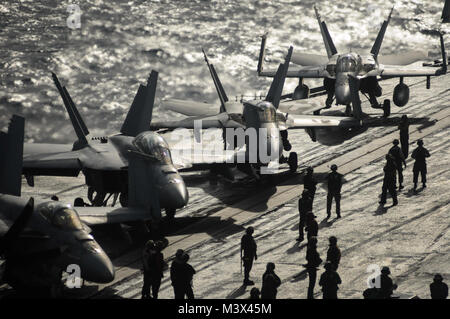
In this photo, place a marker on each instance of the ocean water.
(120, 42)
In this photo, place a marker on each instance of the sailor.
(329, 281)
(387, 286)
(404, 135)
(176, 275)
(420, 165)
(334, 180)
(438, 288)
(309, 183)
(333, 253)
(254, 293)
(153, 269)
(313, 261)
(389, 181)
(248, 246)
(312, 227)
(188, 275)
(270, 282)
(399, 158)
(304, 207)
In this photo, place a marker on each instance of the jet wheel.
(293, 162)
(123, 199)
(170, 212)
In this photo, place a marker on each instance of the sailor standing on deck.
(420, 165)
(248, 246)
(404, 135)
(334, 180)
(399, 158)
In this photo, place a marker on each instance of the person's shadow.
(237, 293)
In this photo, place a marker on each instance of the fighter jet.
(347, 74)
(261, 115)
(39, 239)
(104, 161)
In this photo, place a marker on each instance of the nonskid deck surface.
(412, 238)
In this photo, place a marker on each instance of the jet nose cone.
(174, 195)
(96, 266)
(342, 93)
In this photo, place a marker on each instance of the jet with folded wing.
(347, 74)
(262, 115)
(105, 161)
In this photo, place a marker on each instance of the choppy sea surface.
(120, 42)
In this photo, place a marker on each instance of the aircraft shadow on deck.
(337, 135)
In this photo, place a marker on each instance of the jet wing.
(403, 58)
(189, 108)
(221, 120)
(392, 71)
(50, 159)
(109, 215)
(308, 59)
(297, 72)
(308, 121)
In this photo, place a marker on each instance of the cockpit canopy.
(61, 216)
(153, 144)
(266, 112)
(348, 63)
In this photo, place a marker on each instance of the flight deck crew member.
(420, 165)
(329, 281)
(187, 276)
(313, 261)
(312, 227)
(153, 269)
(333, 253)
(387, 286)
(399, 158)
(248, 245)
(304, 207)
(270, 283)
(389, 181)
(438, 288)
(334, 180)
(404, 135)
(309, 183)
(176, 275)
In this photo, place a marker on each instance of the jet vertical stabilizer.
(219, 88)
(327, 40)
(77, 122)
(11, 147)
(140, 114)
(377, 44)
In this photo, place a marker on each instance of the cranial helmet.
(420, 142)
(250, 230)
(395, 142)
(334, 167)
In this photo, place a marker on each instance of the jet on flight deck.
(347, 74)
(104, 161)
(255, 114)
(39, 239)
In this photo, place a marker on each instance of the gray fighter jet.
(104, 161)
(40, 239)
(261, 115)
(347, 74)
